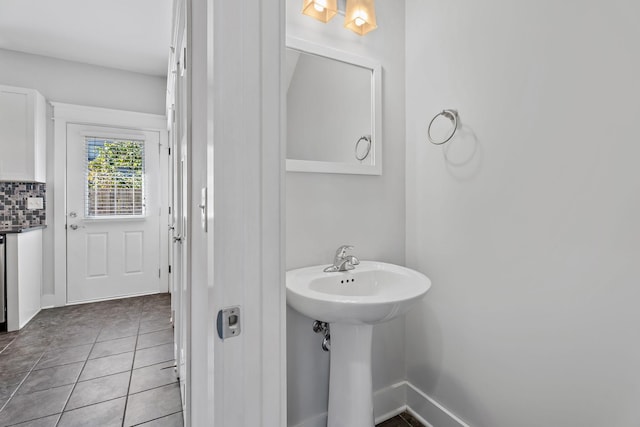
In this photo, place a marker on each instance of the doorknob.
(177, 239)
(74, 226)
(73, 214)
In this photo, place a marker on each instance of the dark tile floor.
(404, 419)
(101, 364)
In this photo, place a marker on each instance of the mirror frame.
(293, 165)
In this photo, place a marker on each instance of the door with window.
(113, 213)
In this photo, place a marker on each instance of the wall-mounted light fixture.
(359, 17)
(322, 10)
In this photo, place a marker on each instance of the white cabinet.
(23, 136)
(24, 277)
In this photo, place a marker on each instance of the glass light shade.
(322, 10)
(360, 16)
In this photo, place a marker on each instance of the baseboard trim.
(397, 398)
(428, 410)
(26, 322)
(319, 420)
(47, 300)
(389, 401)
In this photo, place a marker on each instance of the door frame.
(238, 143)
(238, 123)
(64, 114)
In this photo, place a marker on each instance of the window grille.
(114, 178)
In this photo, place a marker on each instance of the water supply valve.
(320, 327)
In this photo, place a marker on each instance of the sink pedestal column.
(350, 385)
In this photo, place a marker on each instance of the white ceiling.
(131, 35)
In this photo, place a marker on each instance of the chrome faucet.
(342, 261)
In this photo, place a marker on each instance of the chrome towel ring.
(363, 154)
(455, 120)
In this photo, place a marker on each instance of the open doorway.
(113, 213)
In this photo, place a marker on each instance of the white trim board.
(397, 398)
(318, 420)
(426, 409)
(295, 165)
(236, 111)
(64, 114)
(389, 401)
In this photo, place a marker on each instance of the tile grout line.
(152, 388)
(112, 374)
(133, 361)
(156, 363)
(95, 403)
(111, 399)
(18, 333)
(61, 364)
(35, 419)
(30, 370)
(78, 378)
(156, 345)
(9, 343)
(103, 376)
(74, 321)
(159, 418)
(21, 382)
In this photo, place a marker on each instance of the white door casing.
(233, 152)
(237, 154)
(65, 115)
(112, 255)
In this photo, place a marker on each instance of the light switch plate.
(35, 203)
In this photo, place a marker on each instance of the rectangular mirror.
(333, 111)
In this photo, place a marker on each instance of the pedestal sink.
(352, 302)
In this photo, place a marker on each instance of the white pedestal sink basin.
(352, 302)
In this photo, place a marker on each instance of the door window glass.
(114, 178)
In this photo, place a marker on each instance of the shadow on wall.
(427, 337)
(307, 391)
(463, 154)
(425, 334)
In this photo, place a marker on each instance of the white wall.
(75, 83)
(324, 211)
(532, 240)
(83, 84)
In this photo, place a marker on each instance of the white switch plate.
(35, 202)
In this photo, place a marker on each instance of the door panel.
(113, 213)
(96, 259)
(134, 252)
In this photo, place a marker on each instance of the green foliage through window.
(115, 177)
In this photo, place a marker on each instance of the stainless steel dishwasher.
(3, 286)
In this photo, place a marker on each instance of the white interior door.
(179, 271)
(180, 278)
(185, 297)
(113, 212)
(181, 247)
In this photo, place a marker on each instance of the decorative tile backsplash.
(13, 204)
